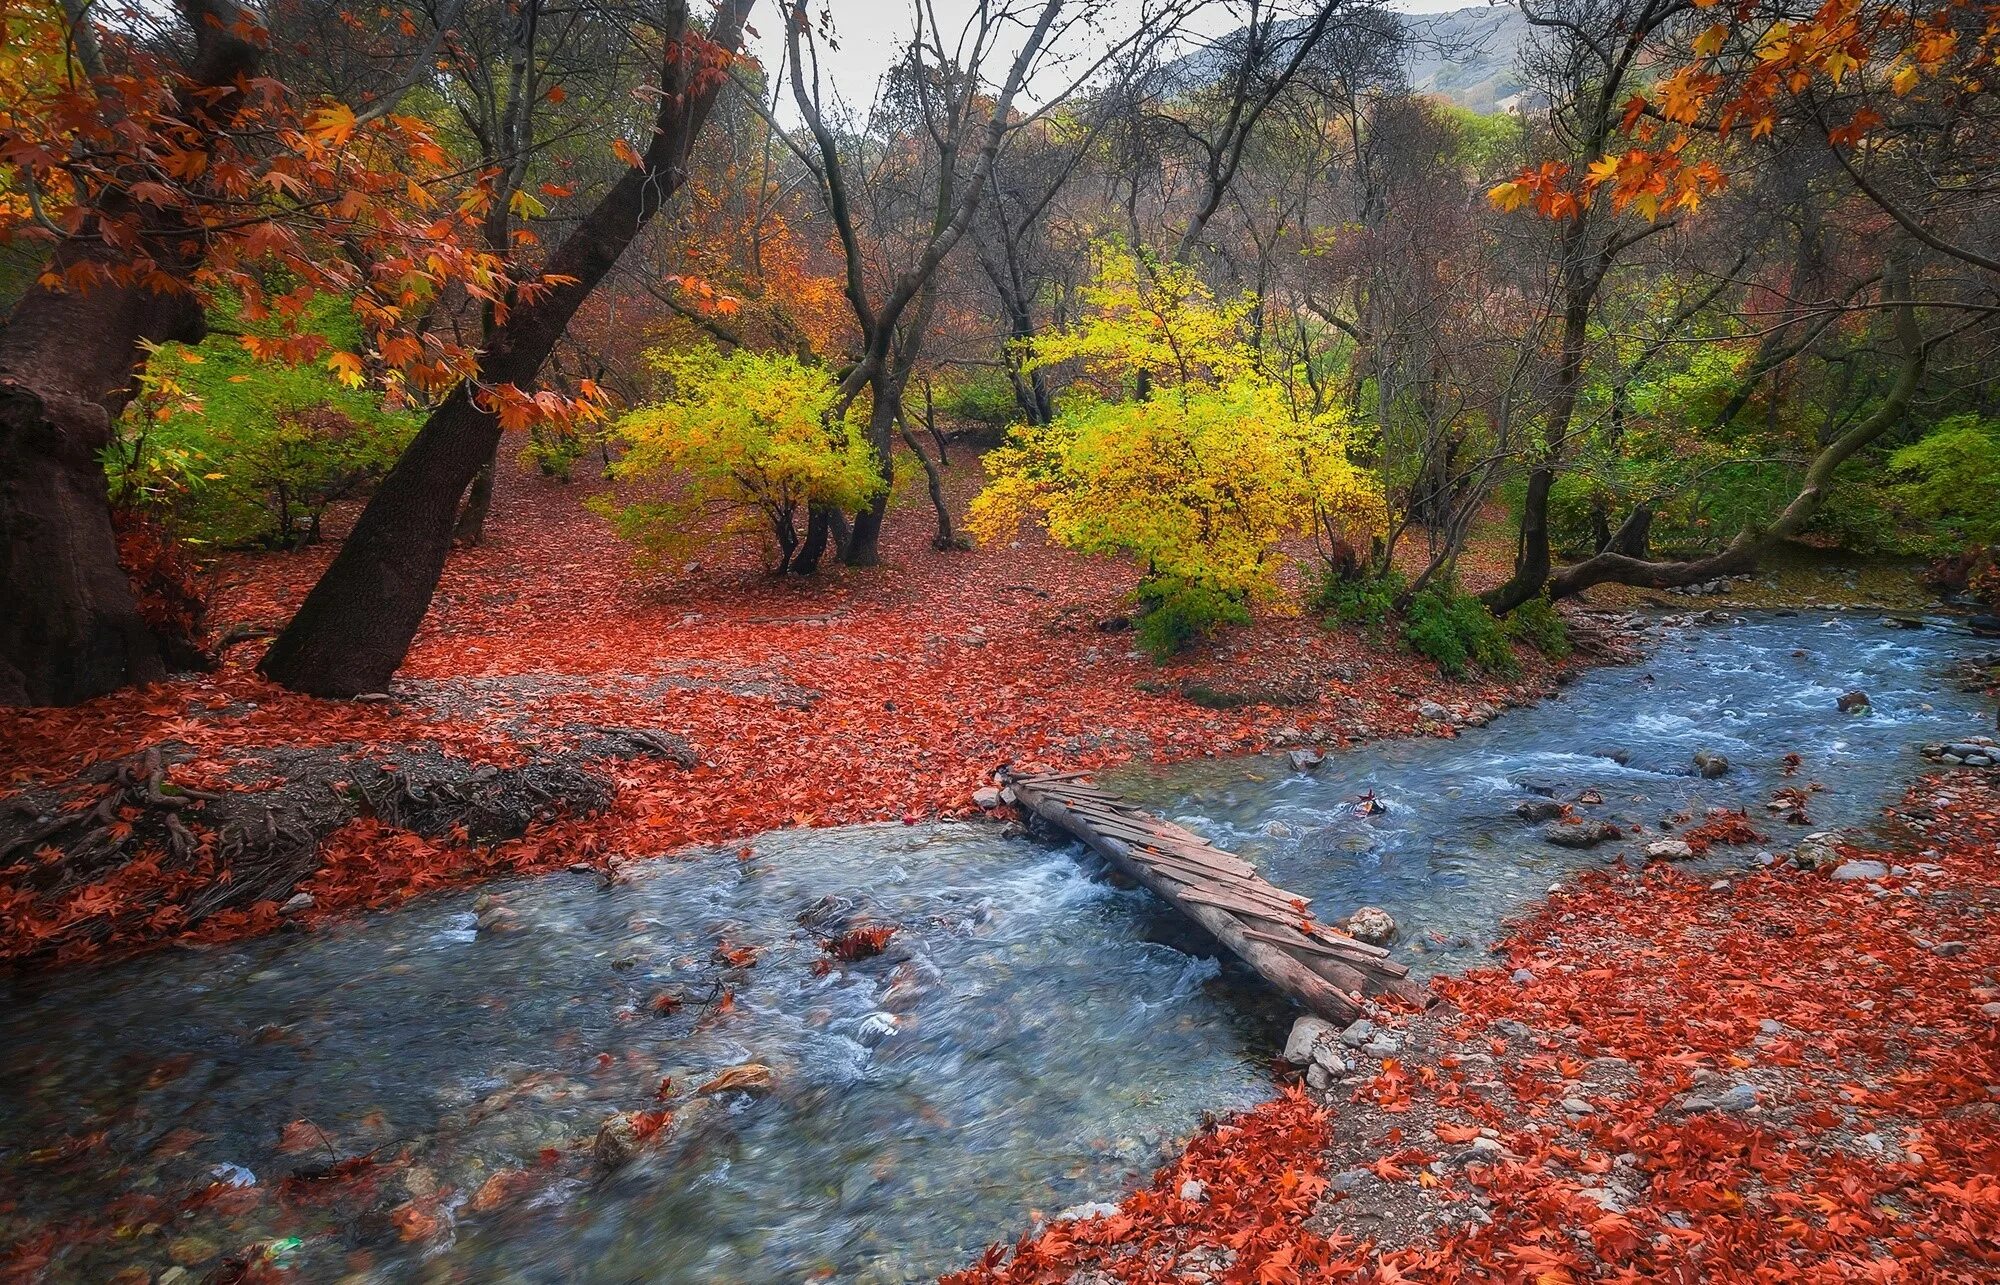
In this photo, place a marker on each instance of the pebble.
(1669, 850)
(1193, 1191)
(1522, 977)
(1358, 1034)
(1771, 1027)
(1577, 1106)
(1088, 1209)
(296, 902)
(1950, 948)
(1382, 1046)
(986, 798)
(1350, 1180)
(1850, 871)
(1737, 1097)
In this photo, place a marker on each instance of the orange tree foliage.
(1842, 65)
(310, 195)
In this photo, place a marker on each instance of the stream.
(1033, 1036)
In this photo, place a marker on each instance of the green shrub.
(235, 450)
(1537, 623)
(1456, 632)
(984, 396)
(1176, 612)
(1951, 477)
(1355, 601)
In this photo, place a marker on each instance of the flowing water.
(1032, 1038)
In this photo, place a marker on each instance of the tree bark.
(471, 526)
(70, 628)
(355, 627)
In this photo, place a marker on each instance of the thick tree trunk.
(355, 627)
(70, 628)
(1532, 560)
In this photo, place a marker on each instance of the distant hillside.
(1468, 56)
(1465, 56)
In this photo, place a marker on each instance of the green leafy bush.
(1537, 623)
(1951, 478)
(1456, 632)
(982, 396)
(1352, 601)
(234, 450)
(1176, 612)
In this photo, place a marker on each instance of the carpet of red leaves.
(1862, 1014)
(858, 696)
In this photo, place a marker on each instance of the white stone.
(1307, 1034)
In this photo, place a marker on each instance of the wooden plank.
(1242, 906)
(1205, 872)
(1201, 852)
(1282, 970)
(1367, 964)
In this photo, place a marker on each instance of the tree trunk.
(471, 526)
(355, 627)
(1531, 558)
(70, 628)
(863, 542)
(943, 540)
(818, 524)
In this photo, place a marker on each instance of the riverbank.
(559, 710)
(1673, 1074)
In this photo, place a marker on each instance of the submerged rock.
(749, 1077)
(1307, 760)
(1711, 764)
(1854, 702)
(1537, 810)
(1582, 834)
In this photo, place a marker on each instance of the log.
(1302, 983)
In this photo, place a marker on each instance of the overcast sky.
(870, 32)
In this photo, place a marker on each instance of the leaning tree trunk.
(355, 627)
(1745, 551)
(70, 628)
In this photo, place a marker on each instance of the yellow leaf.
(346, 367)
(1509, 196)
(332, 123)
(1709, 43)
(1905, 80)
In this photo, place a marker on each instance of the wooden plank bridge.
(1270, 929)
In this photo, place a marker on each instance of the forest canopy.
(1711, 279)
